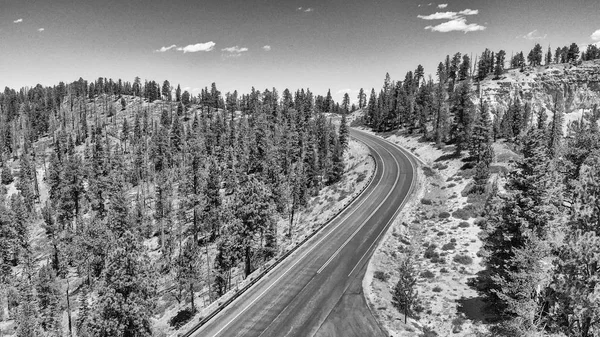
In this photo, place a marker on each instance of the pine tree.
(338, 166)
(256, 214)
(125, 293)
(343, 133)
(481, 137)
(362, 98)
(462, 109)
(188, 268)
(346, 103)
(526, 215)
(48, 302)
(6, 177)
(28, 324)
(405, 294)
(500, 59)
(84, 312)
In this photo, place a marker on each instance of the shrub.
(361, 177)
(461, 214)
(427, 274)
(444, 270)
(457, 324)
(444, 215)
(441, 233)
(430, 252)
(464, 224)
(428, 171)
(440, 167)
(437, 289)
(449, 246)
(381, 276)
(462, 259)
(428, 332)
(181, 318)
(425, 201)
(451, 185)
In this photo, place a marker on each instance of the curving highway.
(317, 291)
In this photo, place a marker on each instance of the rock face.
(578, 84)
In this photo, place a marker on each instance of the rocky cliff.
(578, 84)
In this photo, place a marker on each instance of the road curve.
(317, 290)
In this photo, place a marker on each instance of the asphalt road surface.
(317, 291)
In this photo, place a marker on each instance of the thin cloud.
(299, 8)
(534, 35)
(165, 49)
(266, 48)
(469, 12)
(194, 48)
(308, 10)
(442, 6)
(235, 50)
(456, 25)
(449, 15)
(41, 30)
(596, 35)
(18, 20)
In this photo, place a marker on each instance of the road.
(317, 291)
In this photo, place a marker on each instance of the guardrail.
(280, 259)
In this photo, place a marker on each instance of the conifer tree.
(346, 103)
(343, 133)
(463, 116)
(405, 294)
(28, 324)
(48, 302)
(6, 177)
(125, 292)
(362, 98)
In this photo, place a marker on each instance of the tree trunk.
(69, 310)
(192, 296)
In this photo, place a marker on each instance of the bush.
(427, 274)
(181, 318)
(425, 201)
(451, 185)
(444, 215)
(444, 270)
(462, 259)
(361, 177)
(449, 246)
(437, 289)
(457, 324)
(381, 276)
(428, 332)
(461, 214)
(430, 252)
(428, 171)
(464, 224)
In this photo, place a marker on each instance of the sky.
(321, 45)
